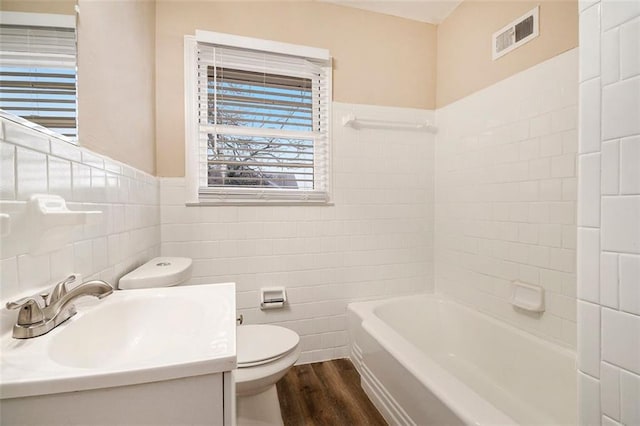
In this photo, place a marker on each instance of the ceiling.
(431, 11)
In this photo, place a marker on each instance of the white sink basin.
(130, 337)
(132, 331)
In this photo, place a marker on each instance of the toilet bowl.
(265, 354)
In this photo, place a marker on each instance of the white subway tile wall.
(589, 339)
(629, 164)
(609, 161)
(506, 195)
(629, 398)
(590, 42)
(607, 421)
(127, 236)
(610, 390)
(588, 400)
(374, 241)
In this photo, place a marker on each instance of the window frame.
(250, 195)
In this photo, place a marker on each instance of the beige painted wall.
(116, 85)
(62, 7)
(464, 61)
(378, 59)
(131, 95)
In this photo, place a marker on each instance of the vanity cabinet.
(202, 400)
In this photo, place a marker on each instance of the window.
(38, 69)
(257, 120)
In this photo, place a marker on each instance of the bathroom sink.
(130, 337)
(132, 331)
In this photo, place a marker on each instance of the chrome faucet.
(40, 314)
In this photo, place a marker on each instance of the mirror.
(38, 65)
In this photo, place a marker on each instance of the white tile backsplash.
(99, 253)
(621, 109)
(618, 115)
(585, 4)
(9, 277)
(49, 165)
(610, 390)
(610, 172)
(506, 194)
(608, 421)
(589, 190)
(621, 339)
(31, 173)
(589, 132)
(629, 398)
(609, 279)
(60, 177)
(374, 241)
(81, 183)
(629, 48)
(65, 150)
(630, 164)
(620, 224)
(563, 166)
(93, 160)
(62, 261)
(630, 283)
(610, 59)
(98, 185)
(33, 270)
(7, 171)
(588, 400)
(588, 268)
(617, 12)
(589, 42)
(589, 338)
(19, 135)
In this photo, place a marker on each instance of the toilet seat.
(264, 355)
(262, 362)
(259, 344)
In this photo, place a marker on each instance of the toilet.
(264, 352)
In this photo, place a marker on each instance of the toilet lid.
(260, 342)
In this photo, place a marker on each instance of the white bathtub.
(427, 360)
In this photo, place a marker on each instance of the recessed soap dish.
(529, 297)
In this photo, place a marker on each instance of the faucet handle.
(30, 311)
(61, 289)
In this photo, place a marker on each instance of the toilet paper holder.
(272, 297)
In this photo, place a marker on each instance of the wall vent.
(515, 34)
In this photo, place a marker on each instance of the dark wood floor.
(326, 393)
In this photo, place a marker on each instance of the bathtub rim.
(468, 405)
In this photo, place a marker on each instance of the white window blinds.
(38, 75)
(263, 125)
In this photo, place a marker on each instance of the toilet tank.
(158, 272)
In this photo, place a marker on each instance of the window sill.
(254, 203)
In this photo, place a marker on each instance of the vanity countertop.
(130, 337)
